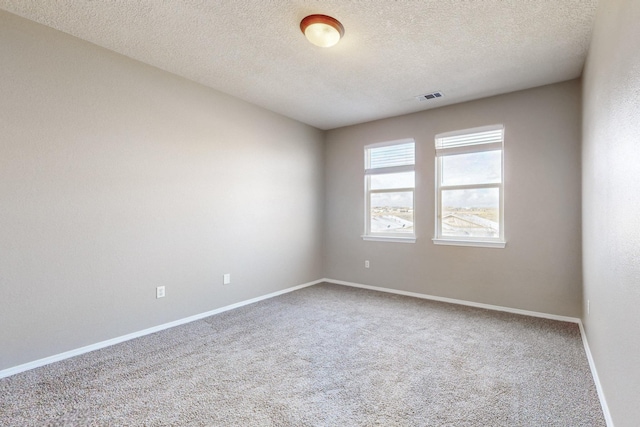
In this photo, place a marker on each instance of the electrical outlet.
(160, 292)
(226, 279)
(366, 264)
(588, 307)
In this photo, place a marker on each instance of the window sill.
(476, 243)
(394, 239)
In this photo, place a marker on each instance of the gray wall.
(611, 205)
(116, 177)
(540, 269)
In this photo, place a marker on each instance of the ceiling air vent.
(429, 96)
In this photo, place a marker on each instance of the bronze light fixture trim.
(322, 30)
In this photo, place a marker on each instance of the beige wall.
(611, 207)
(116, 177)
(539, 270)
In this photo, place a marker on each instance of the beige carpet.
(323, 356)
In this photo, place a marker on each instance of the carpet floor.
(326, 355)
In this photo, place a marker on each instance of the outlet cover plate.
(160, 292)
(226, 279)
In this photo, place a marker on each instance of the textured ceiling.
(392, 51)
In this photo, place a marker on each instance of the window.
(469, 187)
(390, 188)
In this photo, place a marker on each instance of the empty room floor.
(325, 355)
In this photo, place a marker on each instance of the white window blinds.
(470, 137)
(390, 156)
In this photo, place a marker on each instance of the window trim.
(486, 242)
(368, 172)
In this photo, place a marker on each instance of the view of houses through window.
(390, 186)
(469, 184)
(469, 178)
(391, 211)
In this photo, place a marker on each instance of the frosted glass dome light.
(322, 30)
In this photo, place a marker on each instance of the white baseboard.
(71, 353)
(592, 366)
(458, 301)
(76, 352)
(596, 378)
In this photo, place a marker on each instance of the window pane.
(484, 167)
(391, 155)
(392, 180)
(392, 212)
(471, 213)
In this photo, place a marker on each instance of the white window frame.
(387, 237)
(439, 239)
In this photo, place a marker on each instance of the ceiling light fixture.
(322, 30)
